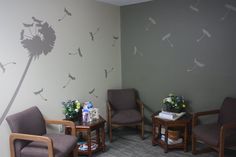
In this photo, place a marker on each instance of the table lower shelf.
(83, 148)
(166, 146)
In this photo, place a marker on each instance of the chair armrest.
(18, 136)
(109, 112)
(228, 126)
(109, 109)
(223, 129)
(204, 113)
(65, 123)
(141, 107)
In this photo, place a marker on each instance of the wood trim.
(223, 129)
(18, 136)
(109, 127)
(65, 123)
(205, 113)
(141, 107)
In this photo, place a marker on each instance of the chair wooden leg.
(142, 130)
(221, 150)
(193, 144)
(110, 133)
(75, 152)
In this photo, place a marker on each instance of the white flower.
(76, 110)
(168, 100)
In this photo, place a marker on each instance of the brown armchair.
(30, 139)
(218, 135)
(124, 109)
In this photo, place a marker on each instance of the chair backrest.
(122, 99)
(227, 111)
(29, 121)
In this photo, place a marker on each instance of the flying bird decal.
(3, 66)
(92, 93)
(196, 64)
(195, 6)
(70, 78)
(151, 21)
(67, 13)
(166, 37)
(39, 93)
(229, 9)
(92, 35)
(205, 33)
(108, 71)
(78, 52)
(115, 38)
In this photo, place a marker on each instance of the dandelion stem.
(16, 91)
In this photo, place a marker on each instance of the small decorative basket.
(173, 134)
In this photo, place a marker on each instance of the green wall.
(197, 62)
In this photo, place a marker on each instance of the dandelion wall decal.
(204, 33)
(75, 53)
(67, 13)
(92, 35)
(166, 37)
(37, 20)
(92, 93)
(39, 93)
(136, 51)
(194, 7)
(36, 44)
(115, 38)
(22, 34)
(108, 71)
(230, 8)
(70, 78)
(3, 66)
(196, 64)
(29, 26)
(151, 21)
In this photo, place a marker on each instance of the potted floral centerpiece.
(174, 103)
(72, 110)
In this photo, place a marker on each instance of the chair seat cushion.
(126, 117)
(63, 145)
(210, 134)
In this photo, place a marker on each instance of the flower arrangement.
(174, 103)
(71, 109)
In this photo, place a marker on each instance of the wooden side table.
(181, 123)
(96, 125)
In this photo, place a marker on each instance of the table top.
(92, 124)
(185, 118)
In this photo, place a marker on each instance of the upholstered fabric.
(122, 99)
(124, 109)
(126, 117)
(32, 122)
(209, 133)
(63, 145)
(219, 135)
(227, 111)
(29, 121)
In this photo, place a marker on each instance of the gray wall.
(198, 63)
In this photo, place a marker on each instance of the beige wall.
(50, 71)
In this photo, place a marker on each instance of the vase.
(169, 108)
(176, 110)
